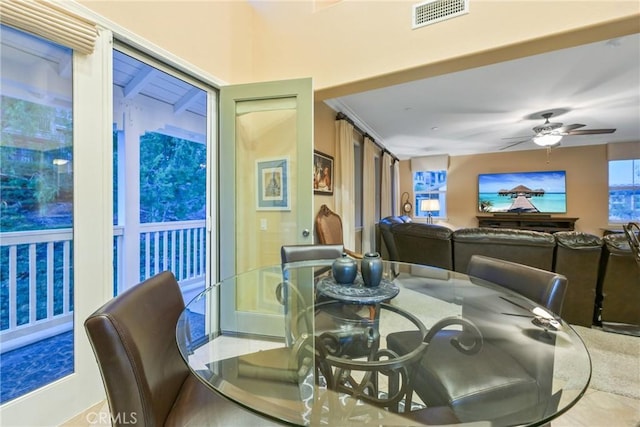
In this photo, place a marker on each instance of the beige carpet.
(615, 361)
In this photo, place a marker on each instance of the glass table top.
(438, 341)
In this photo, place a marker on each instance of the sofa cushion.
(532, 248)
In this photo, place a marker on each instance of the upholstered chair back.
(329, 229)
(541, 286)
(293, 253)
(133, 337)
(147, 382)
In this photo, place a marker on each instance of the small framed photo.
(322, 173)
(272, 184)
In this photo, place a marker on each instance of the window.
(430, 189)
(624, 190)
(36, 213)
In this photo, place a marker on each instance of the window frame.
(633, 188)
(440, 194)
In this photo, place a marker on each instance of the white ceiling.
(472, 111)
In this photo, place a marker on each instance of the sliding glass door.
(160, 173)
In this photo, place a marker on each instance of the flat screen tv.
(523, 192)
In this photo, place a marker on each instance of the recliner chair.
(578, 258)
(426, 244)
(133, 337)
(390, 251)
(618, 289)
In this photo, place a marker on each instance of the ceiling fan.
(549, 133)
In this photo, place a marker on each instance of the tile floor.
(595, 409)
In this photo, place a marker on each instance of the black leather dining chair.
(541, 286)
(504, 373)
(133, 337)
(293, 253)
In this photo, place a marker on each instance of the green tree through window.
(172, 179)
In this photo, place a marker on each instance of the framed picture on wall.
(272, 184)
(322, 173)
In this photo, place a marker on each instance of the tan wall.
(215, 36)
(324, 136)
(587, 182)
(356, 45)
(353, 46)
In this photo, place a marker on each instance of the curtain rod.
(342, 116)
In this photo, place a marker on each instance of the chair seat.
(435, 415)
(447, 377)
(199, 406)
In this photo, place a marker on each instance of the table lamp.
(429, 205)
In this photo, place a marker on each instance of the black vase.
(344, 270)
(371, 266)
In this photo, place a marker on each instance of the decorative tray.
(357, 292)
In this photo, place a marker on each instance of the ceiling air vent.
(430, 12)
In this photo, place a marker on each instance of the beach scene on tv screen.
(523, 192)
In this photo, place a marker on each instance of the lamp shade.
(547, 139)
(429, 205)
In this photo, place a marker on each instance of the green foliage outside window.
(172, 179)
(35, 193)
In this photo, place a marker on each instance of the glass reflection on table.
(286, 352)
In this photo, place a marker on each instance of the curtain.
(368, 196)
(343, 176)
(47, 20)
(397, 210)
(386, 192)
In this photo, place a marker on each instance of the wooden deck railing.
(37, 274)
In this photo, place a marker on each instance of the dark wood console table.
(547, 224)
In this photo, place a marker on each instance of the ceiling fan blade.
(517, 137)
(569, 128)
(515, 143)
(590, 131)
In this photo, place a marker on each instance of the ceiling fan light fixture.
(547, 139)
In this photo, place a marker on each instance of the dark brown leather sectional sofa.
(604, 280)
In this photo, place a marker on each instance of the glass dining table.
(291, 344)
